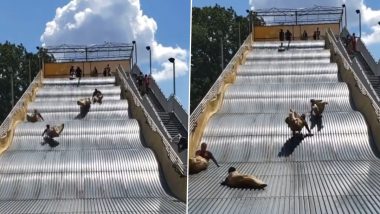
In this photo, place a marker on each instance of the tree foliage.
(16, 57)
(210, 25)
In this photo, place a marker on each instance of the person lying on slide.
(238, 180)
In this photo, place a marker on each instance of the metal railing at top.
(126, 82)
(358, 73)
(215, 87)
(20, 104)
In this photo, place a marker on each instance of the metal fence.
(314, 15)
(98, 52)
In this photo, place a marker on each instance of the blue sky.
(352, 5)
(24, 21)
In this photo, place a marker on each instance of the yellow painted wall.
(63, 69)
(271, 33)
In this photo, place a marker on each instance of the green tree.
(210, 25)
(16, 57)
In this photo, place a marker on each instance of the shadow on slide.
(316, 121)
(291, 144)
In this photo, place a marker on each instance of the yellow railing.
(212, 100)
(18, 113)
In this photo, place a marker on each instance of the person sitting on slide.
(34, 117)
(72, 73)
(201, 159)
(97, 96)
(238, 180)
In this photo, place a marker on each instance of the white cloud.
(373, 37)
(97, 21)
(370, 17)
(163, 53)
(167, 71)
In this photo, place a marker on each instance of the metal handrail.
(146, 102)
(355, 64)
(179, 111)
(362, 48)
(362, 87)
(159, 95)
(20, 104)
(345, 54)
(167, 104)
(371, 89)
(215, 87)
(176, 161)
(368, 57)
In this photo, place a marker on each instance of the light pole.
(345, 15)
(239, 36)
(30, 73)
(220, 33)
(172, 60)
(360, 23)
(39, 58)
(150, 59)
(12, 91)
(135, 46)
(250, 20)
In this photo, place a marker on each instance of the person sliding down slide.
(201, 159)
(50, 133)
(85, 105)
(97, 96)
(237, 180)
(34, 117)
(297, 122)
(317, 107)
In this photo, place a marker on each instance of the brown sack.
(197, 164)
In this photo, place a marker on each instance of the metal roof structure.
(96, 52)
(314, 15)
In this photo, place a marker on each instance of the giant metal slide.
(334, 171)
(99, 165)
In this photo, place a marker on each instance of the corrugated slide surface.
(98, 164)
(334, 171)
